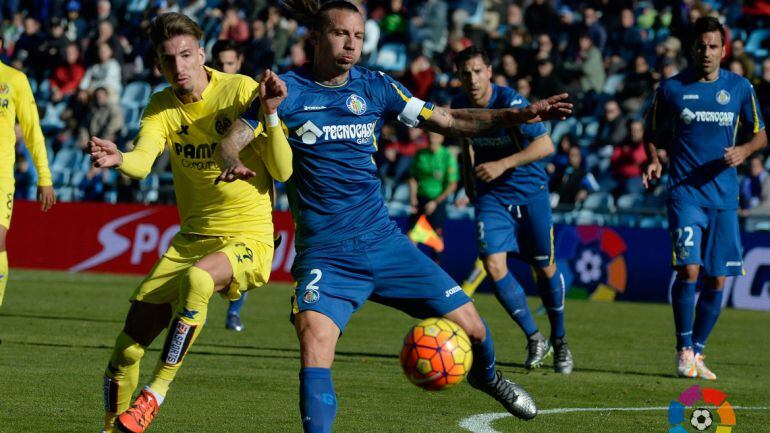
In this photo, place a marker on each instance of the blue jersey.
(523, 184)
(334, 192)
(704, 118)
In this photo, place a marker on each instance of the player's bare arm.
(46, 197)
(104, 153)
(476, 121)
(734, 156)
(537, 150)
(272, 91)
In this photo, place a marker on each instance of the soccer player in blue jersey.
(703, 107)
(513, 207)
(348, 250)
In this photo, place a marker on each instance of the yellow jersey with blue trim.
(191, 132)
(17, 103)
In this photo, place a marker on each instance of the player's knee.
(146, 321)
(317, 340)
(496, 268)
(468, 319)
(547, 271)
(688, 273)
(127, 351)
(198, 287)
(714, 283)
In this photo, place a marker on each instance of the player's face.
(339, 42)
(475, 78)
(708, 50)
(229, 62)
(180, 59)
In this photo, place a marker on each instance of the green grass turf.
(57, 331)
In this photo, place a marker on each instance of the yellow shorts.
(250, 259)
(6, 203)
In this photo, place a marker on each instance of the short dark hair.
(708, 25)
(313, 13)
(223, 45)
(166, 26)
(469, 53)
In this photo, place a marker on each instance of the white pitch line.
(481, 423)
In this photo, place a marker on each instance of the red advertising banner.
(100, 237)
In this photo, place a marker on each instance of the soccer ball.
(701, 419)
(436, 354)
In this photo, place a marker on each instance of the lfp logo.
(592, 260)
(699, 409)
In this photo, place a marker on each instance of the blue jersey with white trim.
(703, 118)
(335, 192)
(522, 184)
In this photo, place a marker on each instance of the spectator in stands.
(739, 54)
(545, 82)
(105, 74)
(627, 43)
(637, 87)
(762, 87)
(433, 178)
(524, 88)
(541, 17)
(736, 67)
(509, 68)
(55, 43)
(104, 119)
(612, 126)
(420, 78)
(395, 23)
(94, 184)
(226, 56)
(755, 188)
(105, 34)
(26, 51)
(587, 66)
(428, 28)
(23, 178)
(627, 160)
(75, 25)
(278, 31)
(594, 29)
(573, 183)
(399, 153)
(234, 26)
(66, 77)
(560, 159)
(260, 50)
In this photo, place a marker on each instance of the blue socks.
(683, 300)
(483, 367)
(317, 401)
(707, 313)
(552, 294)
(237, 306)
(510, 293)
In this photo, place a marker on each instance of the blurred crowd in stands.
(92, 70)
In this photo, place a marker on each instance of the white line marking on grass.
(481, 423)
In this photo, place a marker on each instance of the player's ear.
(201, 56)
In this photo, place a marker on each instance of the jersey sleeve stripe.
(400, 93)
(755, 112)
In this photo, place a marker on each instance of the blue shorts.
(706, 237)
(526, 229)
(384, 266)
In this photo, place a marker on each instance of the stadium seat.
(612, 83)
(52, 118)
(755, 42)
(570, 126)
(599, 202)
(136, 94)
(629, 201)
(586, 217)
(391, 58)
(159, 87)
(401, 194)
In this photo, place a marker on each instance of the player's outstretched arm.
(135, 164)
(277, 154)
(477, 121)
(537, 150)
(734, 156)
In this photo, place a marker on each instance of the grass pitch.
(57, 331)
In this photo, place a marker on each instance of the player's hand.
(651, 173)
(490, 171)
(430, 207)
(104, 153)
(235, 172)
(46, 196)
(734, 156)
(272, 91)
(552, 108)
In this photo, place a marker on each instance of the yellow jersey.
(18, 104)
(191, 132)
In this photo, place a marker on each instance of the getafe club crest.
(222, 125)
(723, 97)
(356, 104)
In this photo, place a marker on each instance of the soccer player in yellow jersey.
(225, 243)
(18, 104)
